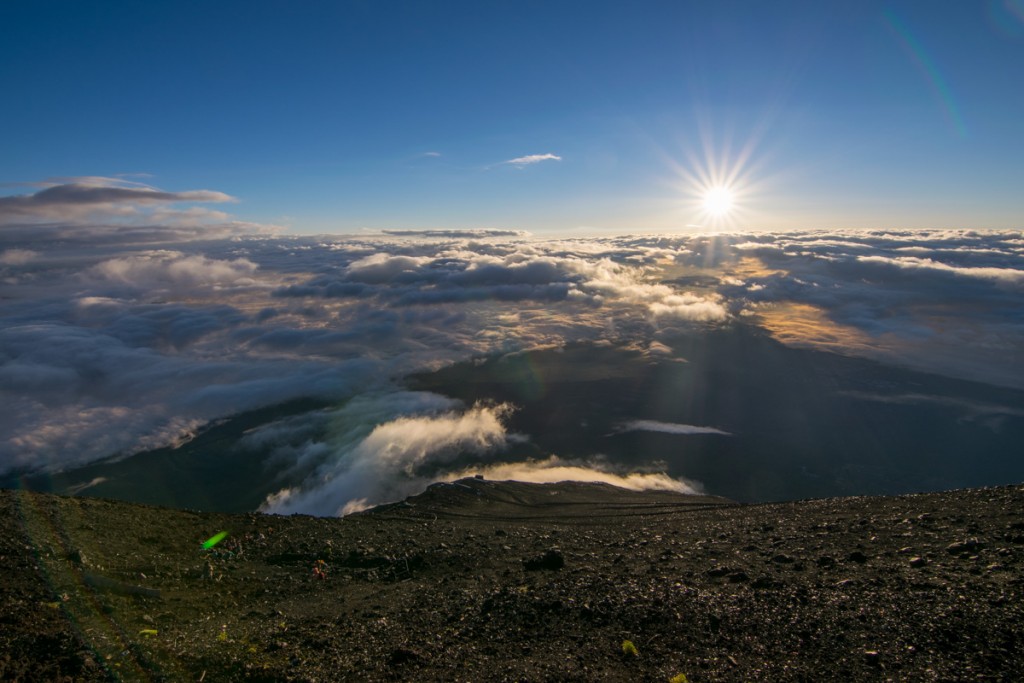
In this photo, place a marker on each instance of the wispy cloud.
(80, 197)
(532, 159)
(469, 233)
(669, 428)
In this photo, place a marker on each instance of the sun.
(718, 201)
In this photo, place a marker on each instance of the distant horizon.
(134, 207)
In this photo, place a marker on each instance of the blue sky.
(346, 116)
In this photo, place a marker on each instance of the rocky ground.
(486, 581)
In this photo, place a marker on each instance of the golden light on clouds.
(797, 324)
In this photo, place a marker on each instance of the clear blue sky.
(337, 116)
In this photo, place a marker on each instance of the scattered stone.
(551, 560)
(403, 655)
(782, 558)
(971, 545)
(470, 611)
(857, 556)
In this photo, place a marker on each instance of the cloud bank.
(120, 332)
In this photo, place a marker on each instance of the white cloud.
(532, 159)
(1008, 275)
(668, 428)
(163, 270)
(391, 461)
(554, 470)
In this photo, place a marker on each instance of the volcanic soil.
(501, 581)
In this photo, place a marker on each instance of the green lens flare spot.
(214, 540)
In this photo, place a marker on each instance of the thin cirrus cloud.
(531, 159)
(668, 428)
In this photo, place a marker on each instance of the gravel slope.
(486, 581)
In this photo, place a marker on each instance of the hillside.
(480, 580)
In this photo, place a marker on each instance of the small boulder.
(551, 559)
(857, 556)
(971, 545)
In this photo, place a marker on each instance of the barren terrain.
(480, 580)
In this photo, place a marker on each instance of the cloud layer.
(118, 335)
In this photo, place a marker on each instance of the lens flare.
(214, 540)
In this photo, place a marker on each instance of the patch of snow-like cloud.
(554, 469)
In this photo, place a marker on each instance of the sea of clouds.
(128, 322)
